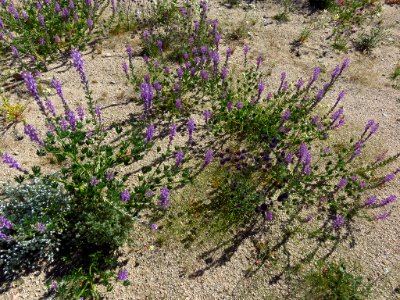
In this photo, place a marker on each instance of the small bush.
(37, 210)
(334, 282)
(368, 41)
(34, 33)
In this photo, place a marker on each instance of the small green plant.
(333, 282)
(396, 72)
(241, 30)
(304, 36)
(368, 41)
(12, 113)
(284, 15)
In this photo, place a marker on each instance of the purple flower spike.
(389, 177)
(77, 62)
(153, 227)
(123, 275)
(125, 196)
(50, 107)
(338, 222)
(172, 132)
(370, 201)
(129, 50)
(57, 39)
(289, 158)
(150, 131)
(32, 88)
(5, 223)
(208, 157)
(164, 194)
(382, 216)
(94, 181)
(239, 105)
(179, 158)
(286, 115)
(388, 200)
(41, 20)
(30, 131)
(81, 112)
(125, 69)
(11, 162)
(147, 95)
(178, 104)
(261, 87)
(342, 184)
(207, 115)
(345, 64)
(90, 24)
(110, 176)
(190, 125)
(71, 118)
(204, 75)
(269, 216)
(98, 112)
(40, 227)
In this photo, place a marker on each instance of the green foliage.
(304, 36)
(334, 282)
(13, 113)
(366, 42)
(396, 72)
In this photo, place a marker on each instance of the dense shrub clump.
(35, 32)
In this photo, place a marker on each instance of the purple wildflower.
(178, 104)
(149, 194)
(204, 75)
(81, 112)
(110, 176)
(177, 87)
(179, 158)
(129, 50)
(57, 8)
(63, 124)
(150, 131)
(147, 95)
(190, 125)
(345, 64)
(157, 86)
(286, 115)
(98, 112)
(12, 10)
(259, 61)
(164, 194)
(153, 227)
(261, 87)
(315, 76)
(30, 131)
(125, 196)
(77, 62)
(382, 216)
(5, 223)
(123, 275)
(388, 200)
(40, 227)
(94, 181)
(224, 73)
(229, 106)
(172, 132)
(32, 88)
(342, 184)
(337, 115)
(300, 83)
(207, 115)
(289, 158)
(239, 105)
(370, 201)
(4, 237)
(65, 13)
(57, 39)
(15, 52)
(71, 118)
(125, 69)
(338, 222)
(208, 157)
(41, 20)
(389, 177)
(90, 24)
(268, 216)
(50, 107)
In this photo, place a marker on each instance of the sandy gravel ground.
(169, 270)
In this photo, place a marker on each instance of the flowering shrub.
(34, 32)
(179, 23)
(101, 209)
(282, 161)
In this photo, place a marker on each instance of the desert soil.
(169, 270)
